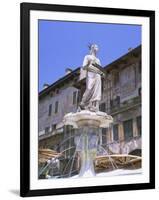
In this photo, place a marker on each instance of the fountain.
(87, 126)
(88, 120)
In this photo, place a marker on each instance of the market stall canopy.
(47, 154)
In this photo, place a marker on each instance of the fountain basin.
(88, 118)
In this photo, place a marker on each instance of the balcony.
(50, 133)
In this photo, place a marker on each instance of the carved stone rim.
(88, 118)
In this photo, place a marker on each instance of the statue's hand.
(87, 64)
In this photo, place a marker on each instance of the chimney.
(68, 71)
(45, 85)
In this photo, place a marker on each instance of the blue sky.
(64, 44)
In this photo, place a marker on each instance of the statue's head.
(93, 48)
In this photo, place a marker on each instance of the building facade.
(121, 98)
(54, 102)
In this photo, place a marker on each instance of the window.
(47, 130)
(57, 91)
(50, 110)
(74, 97)
(128, 129)
(56, 106)
(102, 107)
(51, 94)
(116, 79)
(53, 127)
(115, 132)
(139, 125)
(115, 102)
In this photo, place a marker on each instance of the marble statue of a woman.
(92, 94)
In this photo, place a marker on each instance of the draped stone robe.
(93, 82)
